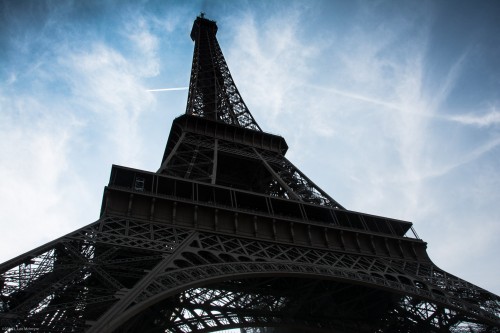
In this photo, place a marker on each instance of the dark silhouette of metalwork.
(230, 234)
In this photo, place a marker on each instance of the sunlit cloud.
(77, 112)
(41, 191)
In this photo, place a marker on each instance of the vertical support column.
(358, 244)
(214, 163)
(152, 209)
(341, 238)
(195, 216)
(372, 242)
(274, 229)
(255, 231)
(309, 234)
(130, 201)
(235, 223)
(216, 220)
(174, 212)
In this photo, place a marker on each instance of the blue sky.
(392, 107)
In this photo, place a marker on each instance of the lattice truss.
(228, 282)
(193, 158)
(284, 304)
(58, 286)
(422, 280)
(271, 173)
(271, 302)
(212, 91)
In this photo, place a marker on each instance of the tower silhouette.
(228, 233)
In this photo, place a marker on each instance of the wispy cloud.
(108, 85)
(359, 97)
(41, 193)
(145, 45)
(270, 62)
(168, 89)
(483, 120)
(67, 113)
(437, 97)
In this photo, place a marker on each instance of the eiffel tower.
(229, 234)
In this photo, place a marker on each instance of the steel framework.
(228, 233)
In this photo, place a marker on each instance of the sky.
(391, 107)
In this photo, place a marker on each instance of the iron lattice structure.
(230, 234)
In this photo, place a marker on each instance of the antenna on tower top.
(202, 15)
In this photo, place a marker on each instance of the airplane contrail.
(168, 89)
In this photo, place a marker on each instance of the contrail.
(169, 89)
(358, 97)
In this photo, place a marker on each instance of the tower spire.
(212, 92)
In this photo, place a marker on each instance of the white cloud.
(39, 194)
(270, 62)
(106, 84)
(147, 61)
(80, 113)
